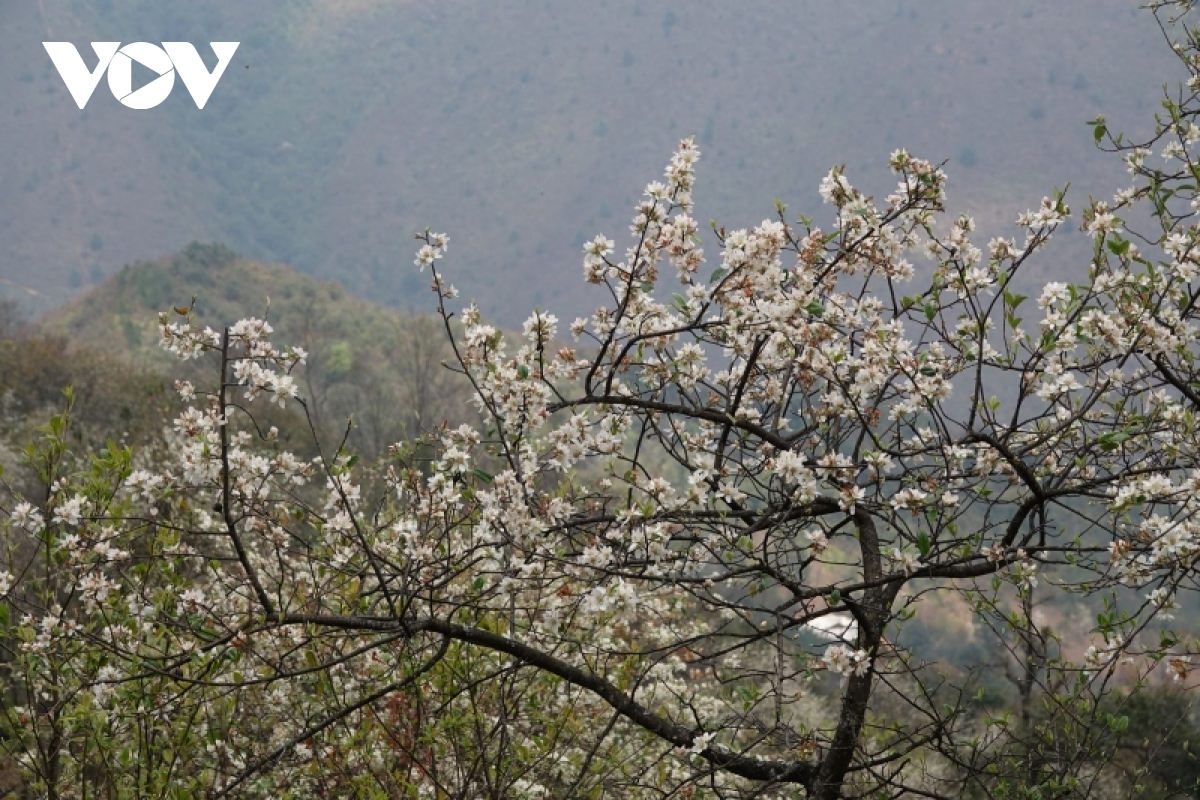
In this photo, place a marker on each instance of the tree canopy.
(682, 556)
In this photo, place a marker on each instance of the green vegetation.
(117, 400)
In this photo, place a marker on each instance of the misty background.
(523, 128)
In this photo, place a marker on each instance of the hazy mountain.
(381, 366)
(521, 128)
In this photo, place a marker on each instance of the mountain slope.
(379, 366)
(522, 128)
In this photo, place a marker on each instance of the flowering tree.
(679, 557)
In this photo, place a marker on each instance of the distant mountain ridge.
(344, 126)
(381, 366)
(121, 314)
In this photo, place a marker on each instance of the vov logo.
(118, 61)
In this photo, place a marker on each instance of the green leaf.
(1012, 299)
(1111, 441)
(815, 308)
(483, 475)
(718, 273)
(522, 372)
(835, 597)
(924, 544)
